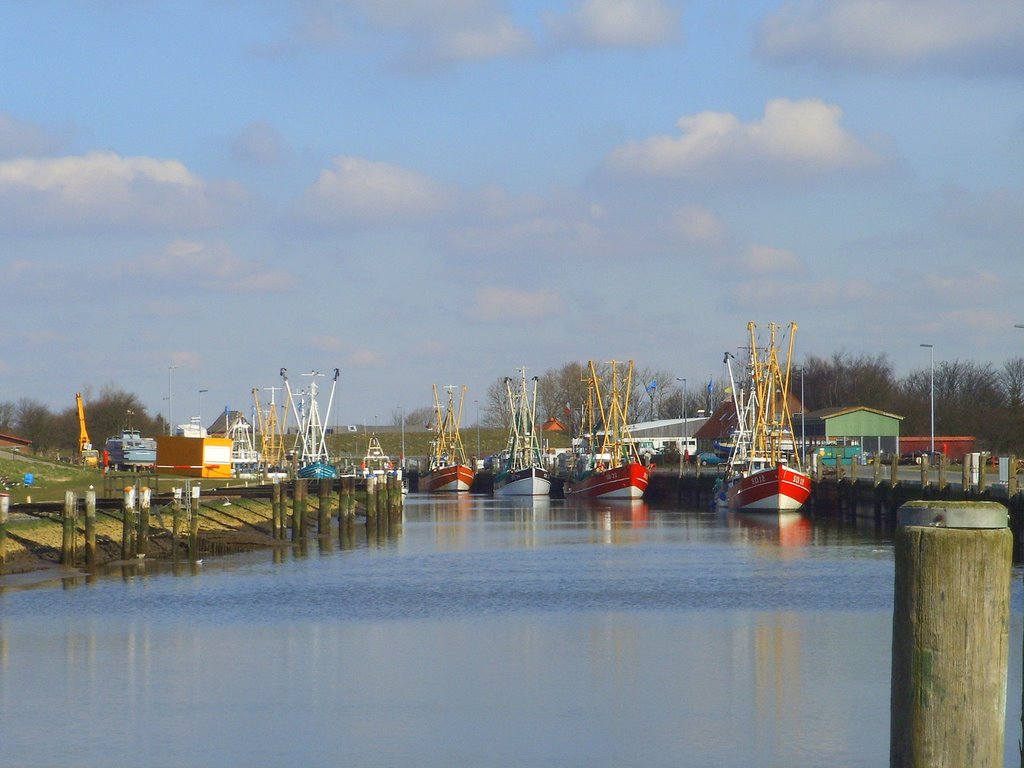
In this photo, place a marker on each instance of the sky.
(195, 195)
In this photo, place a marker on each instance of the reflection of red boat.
(776, 488)
(454, 477)
(628, 481)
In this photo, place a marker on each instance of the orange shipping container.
(193, 456)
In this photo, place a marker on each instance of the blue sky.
(444, 191)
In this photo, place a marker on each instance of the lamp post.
(931, 360)
(803, 421)
(683, 454)
(201, 408)
(402, 457)
(170, 402)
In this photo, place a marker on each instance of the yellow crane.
(89, 455)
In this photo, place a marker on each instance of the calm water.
(488, 633)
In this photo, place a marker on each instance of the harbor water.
(487, 632)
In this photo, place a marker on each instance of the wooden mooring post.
(145, 508)
(323, 516)
(950, 634)
(276, 510)
(5, 513)
(90, 529)
(193, 524)
(301, 494)
(69, 520)
(127, 522)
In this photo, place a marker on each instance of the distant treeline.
(970, 399)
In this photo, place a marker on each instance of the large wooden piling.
(145, 504)
(301, 496)
(69, 518)
(193, 525)
(5, 513)
(276, 511)
(371, 500)
(323, 517)
(176, 515)
(90, 529)
(950, 642)
(127, 520)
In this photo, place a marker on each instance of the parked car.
(709, 458)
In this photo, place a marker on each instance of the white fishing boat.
(521, 471)
(310, 446)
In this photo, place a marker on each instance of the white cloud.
(501, 304)
(259, 144)
(764, 259)
(698, 225)
(189, 265)
(20, 138)
(435, 32)
(489, 38)
(964, 34)
(360, 191)
(794, 139)
(615, 23)
(103, 190)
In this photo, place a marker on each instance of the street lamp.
(170, 401)
(931, 359)
(402, 458)
(201, 391)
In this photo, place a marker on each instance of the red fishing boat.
(764, 472)
(606, 464)
(448, 469)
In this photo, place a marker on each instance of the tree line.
(977, 399)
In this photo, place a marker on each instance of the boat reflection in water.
(787, 529)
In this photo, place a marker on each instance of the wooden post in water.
(941, 481)
(877, 469)
(323, 517)
(950, 634)
(301, 496)
(175, 521)
(193, 525)
(67, 539)
(5, 513)
(90, 528)
(371, 501)
(276, 514)
(343, 497)
(894, 470)
(145, 502)
(924, 473)
(1012, 484)
(127, 520)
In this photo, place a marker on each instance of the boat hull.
(451, 478)
(531, 481)
(772, 489)
(626, 482)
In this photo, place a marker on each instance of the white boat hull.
(525, 483)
